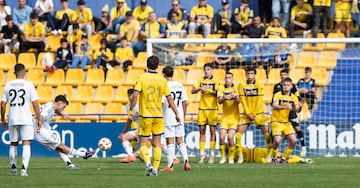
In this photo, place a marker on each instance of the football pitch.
(108, 172)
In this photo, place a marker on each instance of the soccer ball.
(104, 144)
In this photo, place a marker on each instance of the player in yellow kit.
(258, 155)
(149, 89)
(251, 96)
(229, 98)
(283, 102)
(208, 110)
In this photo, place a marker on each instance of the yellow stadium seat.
(296, 74)
(274, 76)
(179, 75)
(74, 110)
(104, 94)
(140, 61)
(121, 95)
(28, 59)
(219, 74)
(261, 76)
(53, 43)
(233, 36)
(239, 74)
(162, 20)
(45, 94)
(114, 77)
(94, 40)
(55, 78)
(132, 76)
(304, 114)
(10, 76)
(320, 76)
(7, 61)
(335, 46)
(318, 46)
(113, 108)
(306, 59)
(268, 93)
(83, 94)
(327, 59)
(191, 112)
(190, 96)
(94, 108)
(2, 78)
(193, 47)
(193, 76)
(74, 77)
(203, 58)
(40, 58)
(65, 90)
(94, 77)
(36, 76)
(212, 46)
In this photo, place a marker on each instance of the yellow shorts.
(283, 129)
(229, 123)
(151, 126)
(260, 120)
(342, 15)
(208, 117)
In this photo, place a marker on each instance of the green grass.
(100, 172)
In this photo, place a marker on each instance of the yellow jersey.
(208, 100)
(152, 30)
(251, 97)
(85, 16)
(34, 30)
(174, 29)
(117, 12)
(142, 16)
(230, 107)
(75, 38)
(202, 13)
(258, 155)
(244, 15)
(152, 86)
(128, 29)
(326, 3)
(60, 13)
(124, 53)
(301, 18)
(283, 115)
(275, 32)
(108, 54)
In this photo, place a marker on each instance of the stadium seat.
(239, 75)
(36, 76)
(268, 93)
(335, 46)
(114, 77)
(7, 62)
(113, 108)
(304, 114)
(65, 90)
(74, 110)
(306, 59)
(211, 47)
(83, 94)
(74, 77)
(179, 75)
(93, 108)
(53, 43)
(203, 58)
(132, 76)
(327, 59)
(219, 74)
(55, 78)
(190, 96)
(191, 112)
(296, 75)
(104, 94)
(94, 77)
(140, 61)
(10, 76)
(28, 59)
(318, 46)
(162, 20)
(45, 94)
(121, 95)
(261, 75)
(193, 47)
(40, 58)
(320, 76)
(274, 76)
(193, 76)
(2, 78)
(94, 40)
(233, 36)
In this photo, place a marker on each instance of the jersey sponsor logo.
(251, 92)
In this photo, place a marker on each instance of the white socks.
(183, 151)
(26, 153)
(13, 154)
(170, 154)
(128, 147)
(75, 152)
(66, 159)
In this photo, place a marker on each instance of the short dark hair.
(152, 62)
(19, 68)
(8, 18)
(174, 12)
(130, 91)
(103, 41)
(250, 69)
(210, 65)
(34, 15)
(229, 73)
(123, 38)
(61, 98)
(81, 2)
(287, 80)
(64, 1)
(168, 71)
(76, 26)
(63, 40)
(308, 69)
(284, 71)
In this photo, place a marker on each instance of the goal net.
(330, 123)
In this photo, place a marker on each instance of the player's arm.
(127, 126)
(3, 107)
(36, 108)
(184, 105)
(221, 97)
(243, 100)
(277, 106)
(173, 107)
(133, 102)
(298, 104)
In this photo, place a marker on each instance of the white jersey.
(19, 93)
(47, 112)
(179, 96)
(44, 5)
(135, 111)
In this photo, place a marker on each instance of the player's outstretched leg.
(67, 161)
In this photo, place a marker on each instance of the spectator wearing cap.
(63, 17)
(141, 13)
(34, 33)
(4, 11)
(45, 8)
(130, 30)
(117, 15)
(9, 35)
(124, 55)
(104, 21)
(150, 29)
(103, 56)
(74, 38)
(83, 16)
(222, 18)
(175, 29)
(242, 17)
(83, 53)
(183, 14)
(63, 55)
(21, 14)
(201, 16)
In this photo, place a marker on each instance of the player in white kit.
(49, 139)
(20, 93)
(172, 128)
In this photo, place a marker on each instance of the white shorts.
(134, 133)
(174, 131)
(21, 132)
(47, 139)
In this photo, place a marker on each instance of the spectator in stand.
(321, 10)
(63, 55)
(201, 17)
(83, 16)
(282, 59)
(103, 22)
(307, 88)
(141, 13)
(45, 9)
(242, 17)
(343, 14)
(150, 29)
(223, 57)
(74, 38)
(182, 12)
(277, 6)
(265, 11)
(174, 28)
(83, 53)
(275, 31)
(21, 14)
(117, 16)
(63, 17)
(130, 30)
(103, 56)
(4, 11)
(9, 35)
(222, 18)
(301, 18)
(246, 55)
(124, 55)
(255, 30)
(267, 57)
(34, 33)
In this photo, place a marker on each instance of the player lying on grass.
(46, 136)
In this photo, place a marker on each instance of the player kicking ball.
(51, 141)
